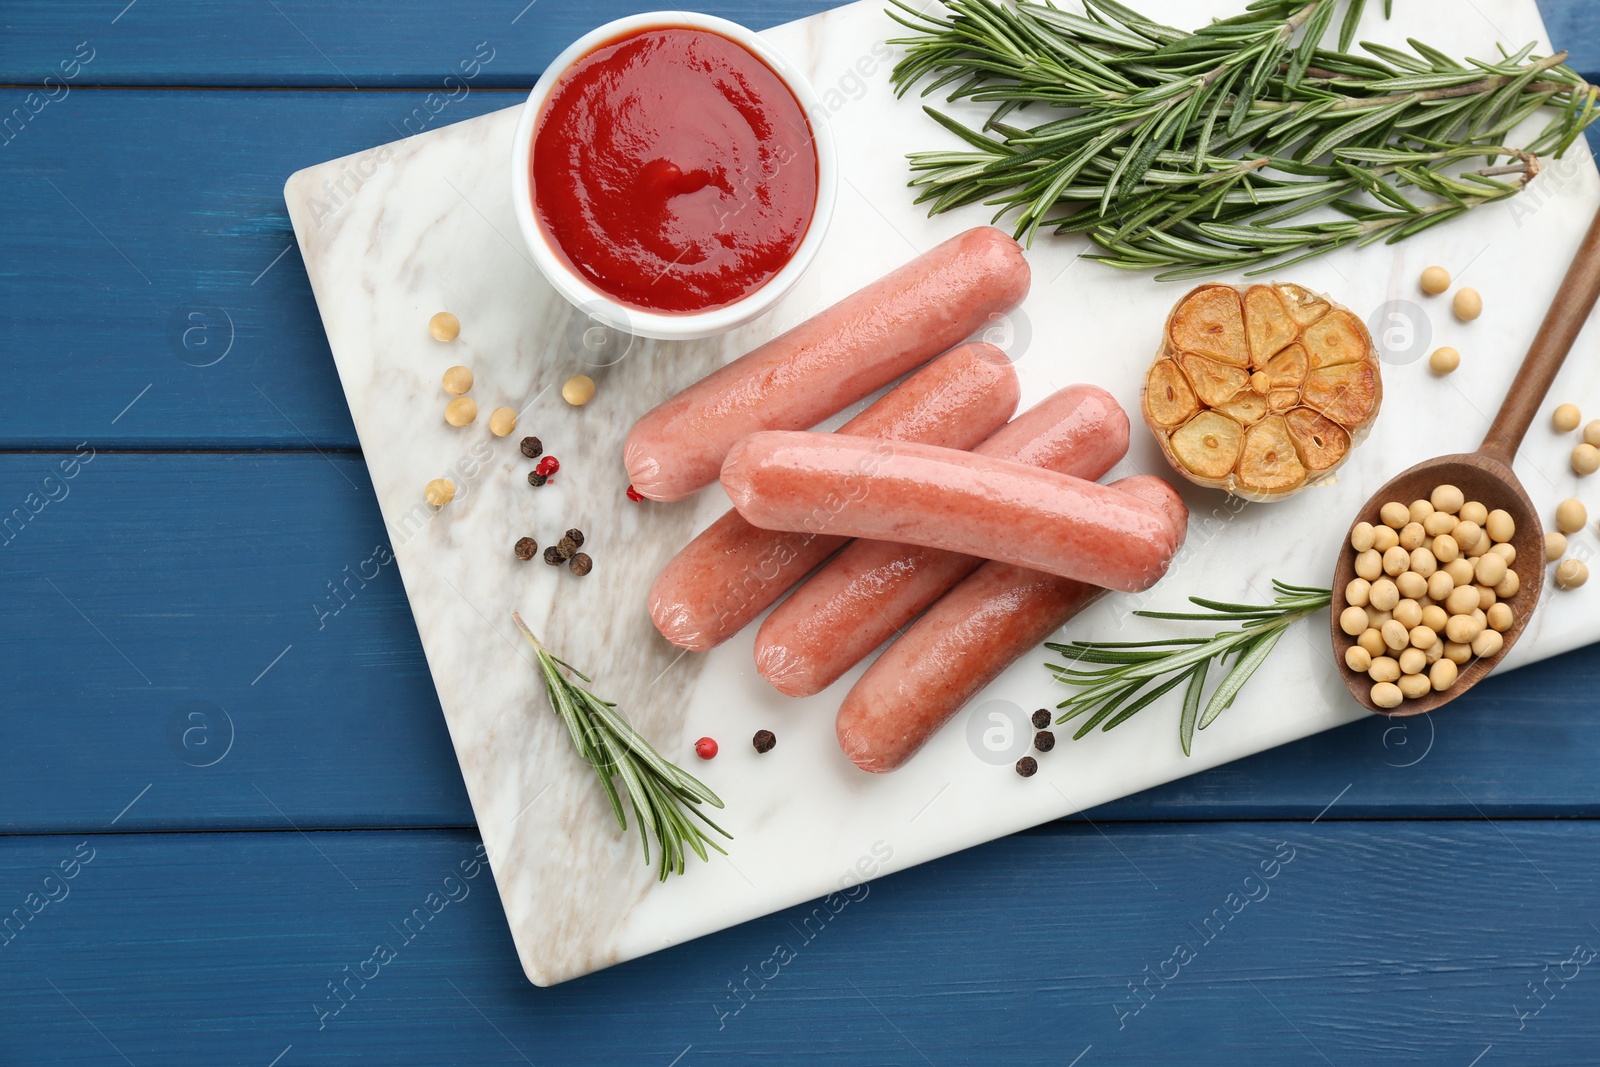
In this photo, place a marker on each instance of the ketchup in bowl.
(674, 170)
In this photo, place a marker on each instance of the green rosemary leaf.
(663, 795)
(1144, 701)
(1247, 665)
(1191, 705)
(1114, 689)
(1347, 31)
(1145, 133)
(1315, 27)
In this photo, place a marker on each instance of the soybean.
(444, 326)
(1572, 573)
(1414, 686)
(1585, 459)
(1384, 669)
(439, 492)
(1447, 498)
(1571, 516)
(457, 380)
(1501, 526)
(1383, 594)
(1387, 695)
(1435, 280)
(1442, 675)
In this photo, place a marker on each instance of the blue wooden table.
(226, 778)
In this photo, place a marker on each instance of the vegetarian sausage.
(732, 571)
(941, 498)
(828, 362)
(964, 642)
(873, 588)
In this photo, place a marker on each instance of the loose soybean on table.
(234, 830)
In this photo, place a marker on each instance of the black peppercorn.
(532, 447)
(566, 546)
(536, 479)
(575, 535)
(526, 548)
(1027, 766)
(1041, 719)
(552, 556)
(764, 740)
(1044, 740)
(581, 564)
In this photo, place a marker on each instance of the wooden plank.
(168, 308)
(164, 606)
(1370, 943)
(302, 43)
(156, 586)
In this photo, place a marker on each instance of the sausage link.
(965, 641)
(873, 588)
(828, 362)
(731, 571)
(941, 498)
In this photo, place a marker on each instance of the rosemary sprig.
(1115, 690)
(663, 795)
(1189, 152)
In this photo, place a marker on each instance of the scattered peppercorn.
(552, 556)
(1041, 719)
(536, 479)
(1027, 766)
(532, 447)
(566, 548)
(634, 494)
(705, 748)
(581, 564)
(1044, 740)
(526, 548)
(764, 740)
(548, 466)
(575, 535)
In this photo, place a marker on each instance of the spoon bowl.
(1486, 476)
(1481, 478)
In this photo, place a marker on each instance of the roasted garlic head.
(1261, 391)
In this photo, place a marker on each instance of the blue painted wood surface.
(393, 43)
(174, 663)
(1370, 943)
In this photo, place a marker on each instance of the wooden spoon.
(1486, 476)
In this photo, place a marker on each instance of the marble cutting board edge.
(392, 234)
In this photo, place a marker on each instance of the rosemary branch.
(664, 796)
(1188, 152)
(1116, 689)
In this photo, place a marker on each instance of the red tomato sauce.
(674, 170)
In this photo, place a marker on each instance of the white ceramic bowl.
(553, 264)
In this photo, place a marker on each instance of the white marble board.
(394, 234)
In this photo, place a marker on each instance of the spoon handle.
(1568, 311)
